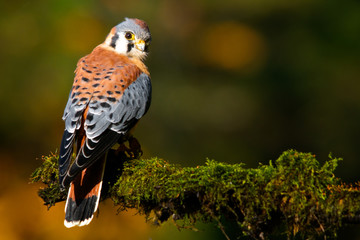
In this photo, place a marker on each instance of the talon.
(135, 147)
(133, 151)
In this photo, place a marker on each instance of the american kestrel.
(110, 93)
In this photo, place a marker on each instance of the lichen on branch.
(292, 196)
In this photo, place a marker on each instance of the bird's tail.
(84, 195)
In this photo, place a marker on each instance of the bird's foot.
(133, 151)
(135, 148)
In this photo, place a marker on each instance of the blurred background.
(235, 81)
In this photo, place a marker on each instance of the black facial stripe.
(146, 48)
(113, 40)
(129, 47)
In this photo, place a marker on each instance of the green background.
(236, 81)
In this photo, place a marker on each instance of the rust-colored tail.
(84, 195)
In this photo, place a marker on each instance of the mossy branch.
(293, 196)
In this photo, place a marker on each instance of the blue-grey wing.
(106, 120)
(121, 115)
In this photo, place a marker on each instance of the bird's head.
(131, 38)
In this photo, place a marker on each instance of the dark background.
(235, 81)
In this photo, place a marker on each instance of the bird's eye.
(129, 36)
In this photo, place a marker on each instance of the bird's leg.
(132, 151)
(119, 148)
(135, 147)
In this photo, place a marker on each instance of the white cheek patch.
(121, 45)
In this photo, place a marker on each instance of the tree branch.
(295, 195)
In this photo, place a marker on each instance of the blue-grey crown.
(138, 27)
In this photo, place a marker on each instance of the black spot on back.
(111, 99)
(78, 114)
(95, 107)
(90, 117)
(105, 105)
(91, 127)
(88, 71)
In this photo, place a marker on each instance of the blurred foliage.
(299, 197)
(232, 80)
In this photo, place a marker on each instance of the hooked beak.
(140, 45)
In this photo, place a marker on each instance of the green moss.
(295, 196)
(48, 174)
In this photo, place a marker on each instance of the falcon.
(110, 93)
